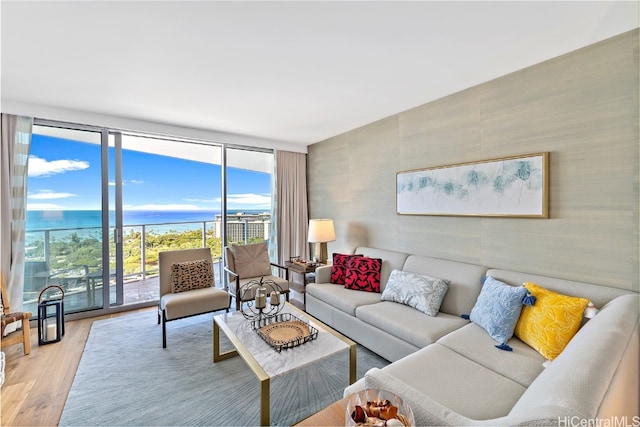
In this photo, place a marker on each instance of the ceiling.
(294, 72)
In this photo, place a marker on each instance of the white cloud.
(249, 200)
(39, 167)
(49, 195)
(235, 201)
(167, 207)
(214, 200)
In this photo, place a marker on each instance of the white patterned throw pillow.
(421, 292)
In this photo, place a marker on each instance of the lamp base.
(320, 252)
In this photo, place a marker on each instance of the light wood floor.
(36, 385)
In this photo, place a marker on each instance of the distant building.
(242, 227)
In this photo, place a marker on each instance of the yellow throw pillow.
(551, 322)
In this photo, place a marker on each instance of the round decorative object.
(372, 407)
(284, 331)
(261, 299)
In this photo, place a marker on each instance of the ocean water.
(77, 219)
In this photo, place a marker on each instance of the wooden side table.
(298, 277)
(332, 415)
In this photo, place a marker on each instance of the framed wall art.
(509, 187)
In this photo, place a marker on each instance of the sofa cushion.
(551, 322)
(407, 323)
(498, 308)
(339, 297)
(390, 260)
(456, 382)
(522, 365)
(465, 278)
(421, 292)
(363, 274)
(189, 275)
(598, 294)
(204, 300)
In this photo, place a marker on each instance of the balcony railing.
(73, 257)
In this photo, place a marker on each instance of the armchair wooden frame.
(8, 318)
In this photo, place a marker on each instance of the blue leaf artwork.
(515, 186)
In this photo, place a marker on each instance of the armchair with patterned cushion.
(187, 286)
(244, 263)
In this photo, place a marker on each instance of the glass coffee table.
(267, 363)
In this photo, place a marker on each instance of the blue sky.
(65, 175)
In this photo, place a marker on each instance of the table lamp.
(321, 231)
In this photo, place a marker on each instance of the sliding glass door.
(102, 204)
(64, 238)
(170, 192)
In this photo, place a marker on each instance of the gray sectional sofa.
(449, 369)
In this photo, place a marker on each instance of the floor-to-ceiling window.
(170, 192)
(248, 207)
(63, 241)
(145, 194)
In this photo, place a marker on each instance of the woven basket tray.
(286, 331)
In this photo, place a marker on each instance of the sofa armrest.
(354, 388)
(323, 274)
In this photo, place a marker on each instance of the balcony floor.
(136, 291)
(82, 297)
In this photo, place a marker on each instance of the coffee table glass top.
(276, 363)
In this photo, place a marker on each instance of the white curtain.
(289, 216)
(14, 154)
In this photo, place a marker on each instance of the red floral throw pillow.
(338, 267)
(363, 274)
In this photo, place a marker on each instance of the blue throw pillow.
(498, 308)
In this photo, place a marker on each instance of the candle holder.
(50, 317)
(261, 299)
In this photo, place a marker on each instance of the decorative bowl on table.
(371, 407)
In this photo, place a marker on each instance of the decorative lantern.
(265, 302)
(50, 317)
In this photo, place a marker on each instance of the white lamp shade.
(321, 230)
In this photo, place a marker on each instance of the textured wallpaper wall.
(581, 107)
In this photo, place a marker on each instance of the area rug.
(126, 378)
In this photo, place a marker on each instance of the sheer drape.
(289, 216)
(14, 155)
